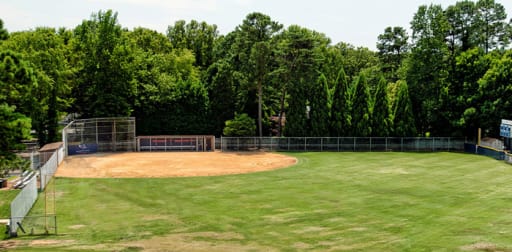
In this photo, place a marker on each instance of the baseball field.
(324, 202)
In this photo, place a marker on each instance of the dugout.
(200, 143)
(506, 133)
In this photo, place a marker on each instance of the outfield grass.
(328, 202)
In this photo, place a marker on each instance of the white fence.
(47, 171)
(22, 204)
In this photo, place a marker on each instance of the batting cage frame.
(199, 143)
(86, 136)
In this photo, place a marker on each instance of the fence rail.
(353, 144)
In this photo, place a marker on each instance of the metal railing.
(338, 144)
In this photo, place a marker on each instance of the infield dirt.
(170, 164)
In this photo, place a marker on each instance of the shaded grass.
(329, 201)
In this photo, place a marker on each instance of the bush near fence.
(357, 144)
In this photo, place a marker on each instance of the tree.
(340, 112)
(17, 83)
(297, 54)
(403, 117)
(170, 99)
(318, 108)
(261, 58)
(381, 114)
(222, 93)
(463, 24)
(393, 48)
(16, 101)
(354, 60)
(14, 127)
(150, 41)
(48, 55)
(361, 114)
(496, 87)
(427, 68)
(471, 66)
(198, 37)
(491, 25)
(103, 88)
(256, 32)
(241, 126)
(4, 34)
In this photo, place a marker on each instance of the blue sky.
(358, 22)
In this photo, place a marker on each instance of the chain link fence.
(99, 135)
(22, 204)
(35, 225)
(353, 144)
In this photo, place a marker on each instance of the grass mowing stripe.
(329, 201)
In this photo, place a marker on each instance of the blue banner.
(82, 149)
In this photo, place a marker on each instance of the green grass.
(329, 201)
(6, 196)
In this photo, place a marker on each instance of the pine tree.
(403, 117)
(318, 105)
(340, 111)
(361, 108)
(381, 121)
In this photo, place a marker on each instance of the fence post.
(370, 144)
(354, 143)
(401, 144)
(305, 144)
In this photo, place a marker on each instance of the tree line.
(449, 77)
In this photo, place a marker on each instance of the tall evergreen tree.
(318, 108)
(361, 101)
(298, 66)
(381, 119)
(403, 117)
(340, 121)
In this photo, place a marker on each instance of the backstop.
(99, 135)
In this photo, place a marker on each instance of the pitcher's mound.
(169, 164)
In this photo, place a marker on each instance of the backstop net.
(99, 135)
(175, 143)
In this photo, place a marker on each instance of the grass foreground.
(327, 202)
